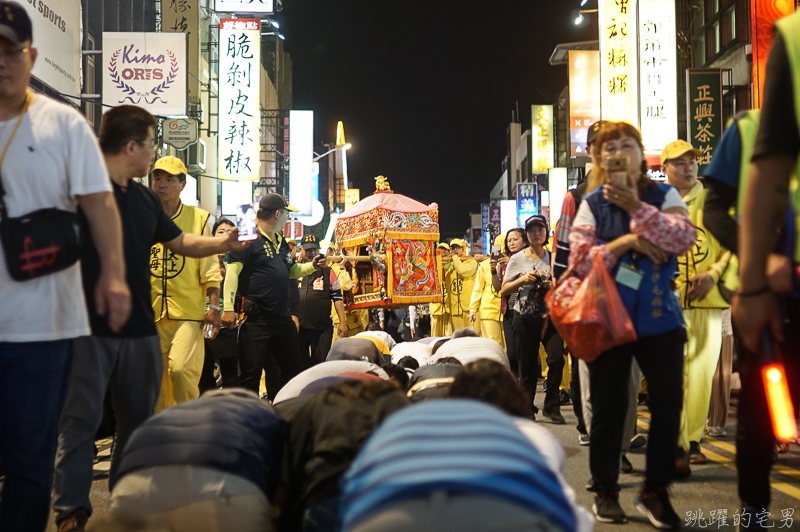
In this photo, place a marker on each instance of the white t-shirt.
(416, 350)
(329, 368)
(53, 158)
(520, 264)
(469, 349)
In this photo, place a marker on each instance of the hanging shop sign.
(485, 244)
(301, 156)
(245, 6)
(527, 202)
(584, 97)
(183, 16)
(146, 69)
(351, 197)
(57, 37)
(239, 145)
(763, 14)
(704, 111)
(180, 132)
(658, 75)
(542, 145)
(619, 98)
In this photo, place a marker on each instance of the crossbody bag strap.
(3, 208)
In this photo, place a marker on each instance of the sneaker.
(564, 397)
(555, 417)
(682, 467)
(607, 509)
(74, 522)
(696, 455)
(638, 441)
(655, 505)
(583, 439)
(716, 432)
(626, 465)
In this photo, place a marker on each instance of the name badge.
(628, 275)
(318, 284)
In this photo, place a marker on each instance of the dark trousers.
(575, 394)
(33, 383)
(221, 350)
(263, 336)
(529, 336)
(755, 439)
(317, 342)
(511, 341)
(660, 358)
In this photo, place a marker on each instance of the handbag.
(589, 315)
(41, 242)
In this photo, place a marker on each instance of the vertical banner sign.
(183, 16)
(301, 155)
(584, 97)
(341, 157)
(239, 147)
(763, 14)
(542, 152)
(704, 111)
(494, 215)
(527, 201)
(145, 69)
(484, 222)
(658, 74)
(619, 61)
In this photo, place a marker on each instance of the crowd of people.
(314, 417)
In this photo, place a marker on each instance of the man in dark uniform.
(317, 291)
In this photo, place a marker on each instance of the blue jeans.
(33, 382)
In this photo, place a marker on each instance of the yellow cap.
(171, 165)
(458, 242)
(678, 148)
(443, 245)
(500, 240)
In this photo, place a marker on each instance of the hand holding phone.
(246, 223)
(618, 169)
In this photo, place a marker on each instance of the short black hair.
(490, 381)
(398, 373)
(463, 332)
(522, 233)
(373, 326)
(266, 215)
(123, 124)
(449, 360)
(221, 221)
(408, 363)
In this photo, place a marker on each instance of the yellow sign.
(619, 61)
(542, 145)
(351, 197)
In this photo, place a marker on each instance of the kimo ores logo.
(142, 76)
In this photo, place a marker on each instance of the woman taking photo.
(528, 275)
(637, 227)
(515, 241)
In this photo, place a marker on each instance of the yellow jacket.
(461, 282)
(346, 282)
(484, 297)
(706, 256)
(178, 284)
(441, 308)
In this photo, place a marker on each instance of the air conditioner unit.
(196, 157)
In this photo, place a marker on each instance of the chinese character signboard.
(763, 14)
(245, 6)
(146, 69)
(527, 202)
(542, 145)
(57, 38)
(183, 16)
(239, 101)
(658, 76)
(485, 244)
(584, 97)
(704, 111)
(619, 98)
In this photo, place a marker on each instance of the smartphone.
(496, 252)
(246, 222)
(618, 169)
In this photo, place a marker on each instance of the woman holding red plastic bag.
(637, 226)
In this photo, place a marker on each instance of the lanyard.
(3, 208)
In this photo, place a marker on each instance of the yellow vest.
(178, 284)
(702, 257)
(484, 298)
(461, 282)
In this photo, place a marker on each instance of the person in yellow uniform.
(461, 282)
(484, 305)
(440, 310)
(699, 271)
(179, 287)
(346, 283)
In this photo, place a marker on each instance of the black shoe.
(583, 439)
(607, 509)
(655, 505)
(638, 441)
(627, 466)
(555, 417)
(642, 398)
(590, 486)
(696, 455)
(564, 397)
(682, 467)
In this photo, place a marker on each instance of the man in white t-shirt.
(53, 160)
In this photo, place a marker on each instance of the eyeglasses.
(149, 145)
(14, 55)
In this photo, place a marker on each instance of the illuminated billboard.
(239, 99)
(619, 58)
(763, 14)
(584, 97)
(301, 156)
(542, 145)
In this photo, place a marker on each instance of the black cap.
(273, 202)
(15, 24)
(310, 242)
(537, 219)
(594, 130)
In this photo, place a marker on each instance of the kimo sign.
(146, 69)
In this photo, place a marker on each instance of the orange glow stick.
(781, 410)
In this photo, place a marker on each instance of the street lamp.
(343, 147)
(579, 19)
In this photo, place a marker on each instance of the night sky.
(426, 89)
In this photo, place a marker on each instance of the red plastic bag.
(589, 315)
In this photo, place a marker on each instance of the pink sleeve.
(584, 248)
(674, 233)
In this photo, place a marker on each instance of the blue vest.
(653, 308)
